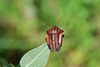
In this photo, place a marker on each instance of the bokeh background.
(22, 29)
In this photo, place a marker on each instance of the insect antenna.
(59, 20)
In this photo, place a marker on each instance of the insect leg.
(63, 36)
(46, 39)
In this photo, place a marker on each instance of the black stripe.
(55, 38)
(60, 32)
(51, 35)
(51, 39)
(49, 42)
(57, 30)
(58, 37)
(49, 46)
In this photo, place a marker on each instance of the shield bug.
(54, 38)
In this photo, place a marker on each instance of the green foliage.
(21, 29)
(3, 63)
(36, 57)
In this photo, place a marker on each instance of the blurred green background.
(22, 29)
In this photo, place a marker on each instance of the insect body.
(54, 38)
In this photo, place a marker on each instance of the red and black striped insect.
(54, 38)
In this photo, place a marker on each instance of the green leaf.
(37, 57)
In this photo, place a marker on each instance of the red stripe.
(58, 30)
(60, 37)
(48, 32)
(56, 40)
(57, 37)
(47, 38)
(50, 41)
